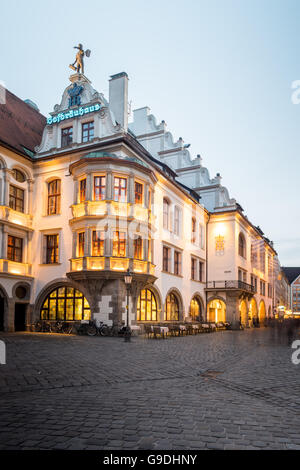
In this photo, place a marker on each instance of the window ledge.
(172, 274)
(50, 264)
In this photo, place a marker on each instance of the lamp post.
(128, 280)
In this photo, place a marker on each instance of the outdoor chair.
(148, 330)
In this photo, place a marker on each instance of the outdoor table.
(182, 328)
(135, 330)
(164, 330)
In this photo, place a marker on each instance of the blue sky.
(219, 72)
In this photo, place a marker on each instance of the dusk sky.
(219, 72)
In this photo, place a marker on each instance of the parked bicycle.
(62, 327)
(104, 330)
(42, 326)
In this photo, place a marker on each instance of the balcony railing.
(15, 217)
(117, 209)
(12, 267)
(229, 285)
(97, 263)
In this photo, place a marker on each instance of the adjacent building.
(293, 276)
(86, 196)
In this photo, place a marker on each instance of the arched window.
(146, 306)
(172, 308)
(66, 304)
(242, 245)
(19, 176)
(54, 195)
(196, 310)
(166, 213)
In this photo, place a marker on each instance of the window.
(201, 236)
(120, 189)
(193, 237)
(138, 190)
(195, 310)
(138, 248)
(177, 263)
(14, 249)
(201, 271)
(119, 244)
(166, 210)
(19, 176)
(166, 259)
(99, 188)
(88, 131)
(146, 306)
(82, 190)
(16, 198)
(66, 136)
(262, 288)
(98, 243)
(66, 304)
(172, 308)
(51, 249)
(242, 245)
(81, 237)
(54, 197)
(176, 220)
(193, 269)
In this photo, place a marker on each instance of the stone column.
(232, 309)
(10, 317)
(89, 187)
(130, 197)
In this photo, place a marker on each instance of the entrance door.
(1, 314)
(20, 317)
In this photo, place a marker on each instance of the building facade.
(86, 196)
(292, 274)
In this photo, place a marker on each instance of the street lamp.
(128, 280)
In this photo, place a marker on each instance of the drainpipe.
(206, 267)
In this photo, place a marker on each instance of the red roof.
(21, 126)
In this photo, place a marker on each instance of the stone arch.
(4, 304)
(197, 296)
(244, 312)
(262, 312)
(17, 166)
(2, 162)
(216, 309)
(51, 286)
(157, 295)
(177, 293)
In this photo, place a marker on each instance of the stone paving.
(227, 390)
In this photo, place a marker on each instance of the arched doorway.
(216, 311)
(172, 308)
(65, 304)
(196, 309)
(147, 306)
(244, 313)
(253, 316)
(262, 313)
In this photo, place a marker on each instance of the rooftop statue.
(78, 65)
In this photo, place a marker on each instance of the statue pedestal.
(79, 77)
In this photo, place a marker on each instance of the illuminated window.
(51, 249)
(66, 136)
(82, 190)
(98, 243)
(120, 189)
(138, 248)
(14, 249)
(66, 304)
(54, 197)
(146, 306)
(81, 238)
(177, 263)
(19, 176)
(99, 188)
(119, 244)
(16, 198)
(138, 190)
(88, 131)
(242, 245)
(172, 308)
(166, 211)
(195, 310)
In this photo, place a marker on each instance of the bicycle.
(104, 330)
(42, 326)
(62, 327)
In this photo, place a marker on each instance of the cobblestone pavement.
(227, 390)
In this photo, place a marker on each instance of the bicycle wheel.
(104, 330)
(91, 330)
(67, 328)
(38, 326)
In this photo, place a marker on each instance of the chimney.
(118, 98)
